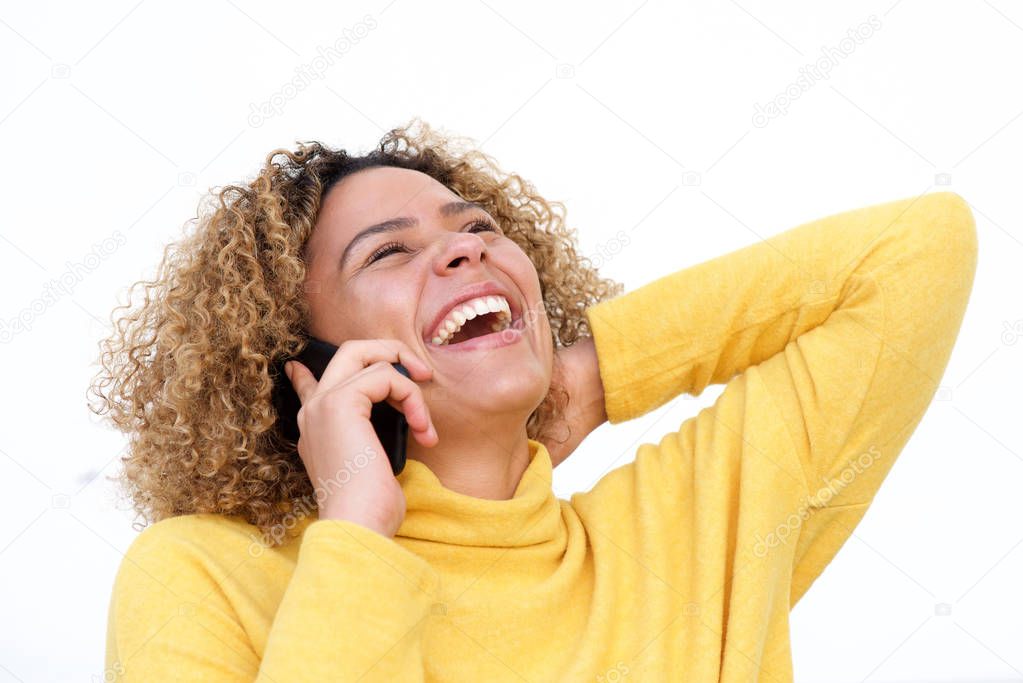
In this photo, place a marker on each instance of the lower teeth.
(499, 326)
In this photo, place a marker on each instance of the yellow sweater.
(831, 338)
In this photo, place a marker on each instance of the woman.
(830, 338)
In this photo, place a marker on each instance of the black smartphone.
(389, 423)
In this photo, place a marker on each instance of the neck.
(482, 463)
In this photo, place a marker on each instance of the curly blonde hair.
(189, 374)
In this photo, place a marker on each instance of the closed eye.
(393, 247)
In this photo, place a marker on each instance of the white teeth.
(470, 309)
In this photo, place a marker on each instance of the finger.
(356, 354)
(418, 368)
(406, 396)
(301, 378)
(383, 383)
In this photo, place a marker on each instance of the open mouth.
(474, 319)
(486, 335)
(480, 326)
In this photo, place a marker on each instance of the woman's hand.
(577, 370)
(335, 429)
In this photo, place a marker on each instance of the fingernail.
(287, 369)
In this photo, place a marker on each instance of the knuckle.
(329, 401)
(320, 407)
(397, 346)
(313, 406)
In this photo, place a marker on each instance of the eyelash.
(387, 248)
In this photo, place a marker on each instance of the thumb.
(301, 378)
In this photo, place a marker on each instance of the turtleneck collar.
(435, 513)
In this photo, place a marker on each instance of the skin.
(478, 401)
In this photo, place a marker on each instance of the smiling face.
(392, 249)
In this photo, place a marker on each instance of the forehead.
(377, 194)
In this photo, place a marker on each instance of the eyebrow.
(404, 222)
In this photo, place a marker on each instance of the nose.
(463, 247)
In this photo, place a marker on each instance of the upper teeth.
(467, 310)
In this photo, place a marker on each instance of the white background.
(115, 118)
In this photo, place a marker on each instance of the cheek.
(524, 274)
(385, 307)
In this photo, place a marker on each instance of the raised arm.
(839, 330)
(353, 610)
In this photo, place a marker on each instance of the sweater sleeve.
(352, 610)
(841, 327)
